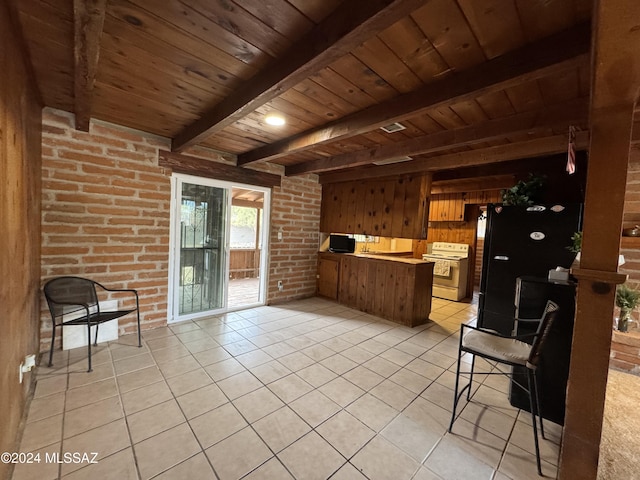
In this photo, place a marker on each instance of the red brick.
(47, 229)
(64, 145)
(79, 219)
(107, 230)
(110, 211)
(107, 190)
(627, 358)
(100, 249)
(106, 259)
(102, 172)
(64, 208)
(83, 157)
(75, 250)
(58, 239)
(625, 349)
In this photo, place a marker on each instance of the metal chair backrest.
(70, 290)
(549, 316)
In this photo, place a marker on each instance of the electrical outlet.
(280, 286)
(29, 363)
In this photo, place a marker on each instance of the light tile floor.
(307, 390)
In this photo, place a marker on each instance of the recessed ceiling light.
(274, 119)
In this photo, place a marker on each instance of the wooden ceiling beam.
(88, 21)
(500, 153)
(575, 112)
(189, 165)
(348, 26)
(477, 184)
(557, 53)
(518, 167)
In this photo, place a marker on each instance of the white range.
(451, 269)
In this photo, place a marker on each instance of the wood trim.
(344, 29)
(88, 21)
(613, 278)
(501, 153)
(573, 112)
(525, 64)
(238, 202)
(180, 163)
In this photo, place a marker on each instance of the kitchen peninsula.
(394, 288)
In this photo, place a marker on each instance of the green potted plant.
(627, 299)
(524, 192)
(575, 247)
(576, 243)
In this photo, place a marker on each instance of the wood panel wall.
(20, 131)
(389, 207)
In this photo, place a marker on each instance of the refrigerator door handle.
(501, 257)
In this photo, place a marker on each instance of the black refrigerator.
(521, 241)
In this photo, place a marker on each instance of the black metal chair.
(78, 296)
(511, 351)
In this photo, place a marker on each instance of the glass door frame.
(177, 179)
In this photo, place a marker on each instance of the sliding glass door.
(202, 248)
(218, 231)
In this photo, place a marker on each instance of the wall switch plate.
(280, 286)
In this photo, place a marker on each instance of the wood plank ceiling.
(472, 81)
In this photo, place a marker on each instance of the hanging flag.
(571, 153)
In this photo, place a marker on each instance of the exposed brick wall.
(105, 215)
(620, 356)
(105, 212)
(625, 351)
(296, 213)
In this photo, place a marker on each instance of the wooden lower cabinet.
(328, 275)
(395, 289)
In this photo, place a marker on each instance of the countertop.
(389, 258)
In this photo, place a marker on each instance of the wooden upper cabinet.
(388, 207)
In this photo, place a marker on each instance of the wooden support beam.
(347, 27)
(514, 167)
(501, 153)
(528, 63)
(614, 92)
(477, 184)
(220, 171)
(11, 10)
(574, 112)
(88, 20)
